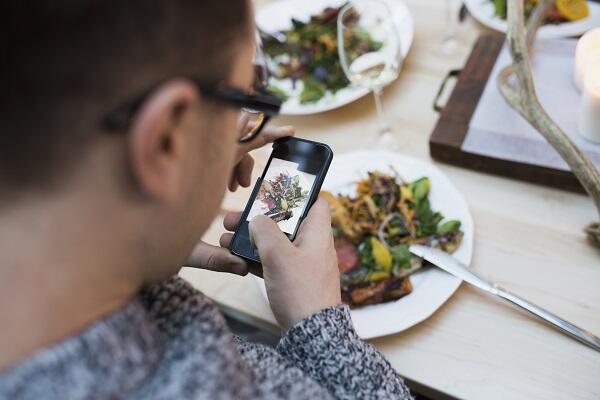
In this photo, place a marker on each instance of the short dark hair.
(65, 62)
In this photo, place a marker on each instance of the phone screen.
(283, 194)
(285, 191)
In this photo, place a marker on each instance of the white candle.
(589, 113)
(588, 49)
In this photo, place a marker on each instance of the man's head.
(68, 63)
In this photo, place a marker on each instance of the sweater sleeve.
(326, 347)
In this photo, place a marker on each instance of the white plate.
(277, 16)
(483, 11)
(431, 287)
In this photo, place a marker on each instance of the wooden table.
(527, 238)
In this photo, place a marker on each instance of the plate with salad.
(567, 18)
(380, 203)
(299, 40)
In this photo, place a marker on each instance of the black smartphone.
(286, 190)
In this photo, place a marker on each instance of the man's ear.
(157, 142)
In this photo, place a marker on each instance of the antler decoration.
(523, 98)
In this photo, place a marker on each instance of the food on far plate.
(563, 10)
(309, 56)
(373, 229)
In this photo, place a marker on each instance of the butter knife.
(449, 264)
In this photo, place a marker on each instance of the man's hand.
(242, 172)
(302, 277)
(216, 258)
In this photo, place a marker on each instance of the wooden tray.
(452, 126)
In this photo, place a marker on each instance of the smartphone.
(285, 191)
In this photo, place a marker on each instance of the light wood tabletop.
(528, 238)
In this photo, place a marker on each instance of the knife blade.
(454, 267)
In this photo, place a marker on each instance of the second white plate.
(483, 11)
(277, 16)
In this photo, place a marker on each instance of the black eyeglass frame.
(120, 119)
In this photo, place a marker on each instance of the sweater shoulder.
(174, 304)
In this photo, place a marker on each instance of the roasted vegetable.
(563, 10)
(572, 10)
(381, 255)
(340, 216)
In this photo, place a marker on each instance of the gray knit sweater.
(171, 342)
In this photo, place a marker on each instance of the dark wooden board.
(452, 126)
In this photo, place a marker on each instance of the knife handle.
(575, 332)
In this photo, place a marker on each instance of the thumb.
(214, 258)
(316, 227)
(270, 241)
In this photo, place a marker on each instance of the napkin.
(496, 130)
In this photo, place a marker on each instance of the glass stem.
(384, 127)
(451, 21)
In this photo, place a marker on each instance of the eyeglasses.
(258, 103)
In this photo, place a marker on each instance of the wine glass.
(370, 53)
(449, 42)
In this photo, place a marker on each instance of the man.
(116, 146)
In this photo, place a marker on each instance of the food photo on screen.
(283, 194)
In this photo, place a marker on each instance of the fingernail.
(242, 271)
(239, 266)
